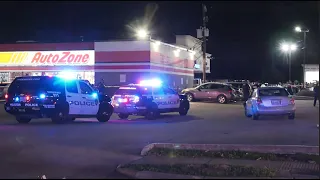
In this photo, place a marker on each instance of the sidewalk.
(173, 167)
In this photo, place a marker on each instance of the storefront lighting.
(176, 52)
(192, 53)
(152, 82)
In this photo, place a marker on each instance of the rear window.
(138, 91)
(273, 92)
(126, 91)
(35, 85)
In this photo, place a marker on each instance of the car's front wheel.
(103, 116)
(23, 120)
(152, 112)
(183, 109)
(222, 99)
(123, 116)
(190, 97)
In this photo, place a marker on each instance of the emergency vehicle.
(149, 98)
(57, 98)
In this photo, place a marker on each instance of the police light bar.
(152, 82)
(67, 75)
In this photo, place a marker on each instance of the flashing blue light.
(152, 82)
(42, 96)
(136, 99)
(94, 95)
(67, 75)
(16, 99)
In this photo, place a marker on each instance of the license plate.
(275, 102)
(22, 110)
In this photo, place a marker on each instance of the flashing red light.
(6, 96)
(292, 101)
(28, 98)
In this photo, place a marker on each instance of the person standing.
(246, 92)
(316, 94)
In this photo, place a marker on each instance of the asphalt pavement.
(89, 149)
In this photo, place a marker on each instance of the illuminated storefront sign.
(45, 58)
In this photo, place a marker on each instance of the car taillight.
(259, 101)
(6, 96)
(291, 101)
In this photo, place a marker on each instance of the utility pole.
(204, 42)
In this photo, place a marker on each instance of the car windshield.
(273, 92)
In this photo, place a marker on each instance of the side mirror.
(198, 88)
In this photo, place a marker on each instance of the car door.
(73, 97)
(173, 98)
(203, 91)
(89, 104)
(214, 91)
(159, 97)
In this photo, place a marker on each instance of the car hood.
(189, 90)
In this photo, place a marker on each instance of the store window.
(122, 78)
(84, 88)
(72, 87)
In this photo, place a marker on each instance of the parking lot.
(89, 149)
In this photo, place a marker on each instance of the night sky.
(244, 36)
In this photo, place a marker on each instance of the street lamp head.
(293, 47)
(284, 47)
(297, 29)
(142, 33)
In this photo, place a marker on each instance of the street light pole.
(304, 46)
(305, 31)
(204, 43)
(289, 65)
(288, 49)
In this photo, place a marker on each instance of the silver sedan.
(270, 101)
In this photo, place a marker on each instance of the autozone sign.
(85, 57)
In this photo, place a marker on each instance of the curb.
(281, 149)
(157, 175)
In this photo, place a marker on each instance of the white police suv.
(56, 98)
(149, 99)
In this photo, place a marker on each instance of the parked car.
(4, 90)
(221, 92)
(270, 101)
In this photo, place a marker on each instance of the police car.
(148, 98)
(56, 98)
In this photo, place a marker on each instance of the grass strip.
(235, 154)
(206, 170)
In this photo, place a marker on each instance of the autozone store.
(116, 62)
(311, 72)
